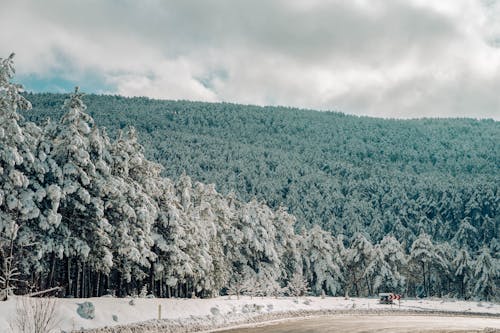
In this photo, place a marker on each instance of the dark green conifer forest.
(347, 174)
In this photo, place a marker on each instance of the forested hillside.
(348, 174)
(89, 213)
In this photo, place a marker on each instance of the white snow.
(224, 311)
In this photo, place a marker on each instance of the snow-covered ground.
(222, 311)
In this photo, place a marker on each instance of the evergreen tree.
(357, 259)
(131, 207)
(423, 257)
(466, 235)
(486, 272)
(20, 172)
(462, 266)
(322, 262)
(84, 229)
(387, 265)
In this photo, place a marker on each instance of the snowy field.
(183, 315)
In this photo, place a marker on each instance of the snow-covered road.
(377, 323)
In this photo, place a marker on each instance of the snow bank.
(184, 315)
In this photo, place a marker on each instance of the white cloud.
(390, 58)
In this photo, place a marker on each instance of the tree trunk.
(83, 280)
(462, 287)
(152, 280)
(68, 277)
(50, 280)
(78, 277)
(120, 285)
(423, 273)
(369, 286)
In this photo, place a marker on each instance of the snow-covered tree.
(423, 257)
(322, 262)
(173, 262)
(462, 269)
(257, 249)
(131, 208)
(386, 266)
(79, 182)
(395, 256)
(20, 190)
(442, 272)
(486, 273)
(216, 218)
(357, 259)
(466, 235)
(287, 245)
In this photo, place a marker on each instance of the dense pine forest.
(347, 174)
(304, 202)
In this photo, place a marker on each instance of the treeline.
(347, 174)
(91, 214)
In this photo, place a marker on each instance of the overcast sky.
(387, 58)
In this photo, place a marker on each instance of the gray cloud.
(390, 58)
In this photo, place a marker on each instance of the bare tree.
(35, 315)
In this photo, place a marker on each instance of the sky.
(382, 58)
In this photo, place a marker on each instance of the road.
(377, 323)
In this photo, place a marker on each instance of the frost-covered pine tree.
(131, 208)
(357, 259)
(20, 190)
(466, 235)
(216, 218)
(257, 248)
(322, 262)
(462, 269)
(84, 231)
(385, 270)
(442, 272)
(423, 259)
(168, 235)
(201, 231)
(486, 273)
(395, 256)
(287, 245)
(378, 272)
